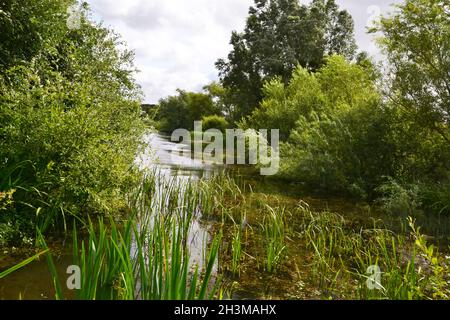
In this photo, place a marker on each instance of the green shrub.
(70, 123)
(399, 200)
(436, 198)
(215, 122)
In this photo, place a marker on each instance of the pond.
(292, 280)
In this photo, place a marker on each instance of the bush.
(215, 122)
(69, 126)
(340, 136)
(399, 200)
(436, 198)
(334, 128)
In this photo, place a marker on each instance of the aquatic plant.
(21, 264)
(274, 232)
(147, 256)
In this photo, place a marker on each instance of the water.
(167, 159)
(162, 157)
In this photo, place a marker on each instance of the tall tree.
(279, 35)
(416, 40)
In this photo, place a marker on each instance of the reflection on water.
(173, 164)
(34, 282)
(172, 159)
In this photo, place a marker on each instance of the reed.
(236, 250)
(147, 256)
(273, 228)
(342, 256)
(21, 264)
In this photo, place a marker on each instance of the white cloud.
(177, 42)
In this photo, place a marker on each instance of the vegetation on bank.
(148, 255)
(70, 128)
(69, 119)
(289, 250)
(259, 247)
(348, 126)
(256, 245)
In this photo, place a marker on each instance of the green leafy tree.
(180, 111)
(333, 126)
(69, 116)
(215, 122)
(221, 98)
(416, 40)
(279, 35)
(29, 28)
(337, 85)
(284, 105)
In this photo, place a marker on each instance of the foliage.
(436, 197)
(416, 40)
(409, 271)
(333, 125)
(278, 36)
(180, 112)
(274, 227)
(215, 122)
(69, 118)
(147, 256)
(29, 29)
(236, 249)
(221, 97)
(399, 200)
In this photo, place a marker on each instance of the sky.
(177, 42)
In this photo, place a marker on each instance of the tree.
(279, 35)
(221, 98)
(69, 116)
(180, 111)
(28, 28)
(214, 122)
(332, 125)
(338, 84)
(416, 40)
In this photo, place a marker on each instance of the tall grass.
(273, 228)
(148, 255)
(324, 234)
(410, 268)
(236, 249)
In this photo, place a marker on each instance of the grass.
(274, 235)
(236, 249)
(306, 254)
(411, 269)
(147, 256)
